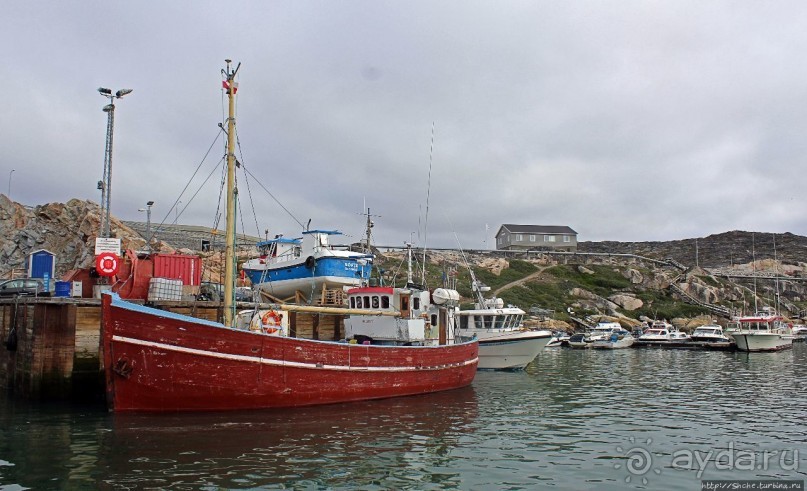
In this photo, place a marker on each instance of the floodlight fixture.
(104, 91)
(122, 92)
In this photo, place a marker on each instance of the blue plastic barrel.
(62, 289)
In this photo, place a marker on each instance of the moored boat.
(618, 338)
(663, 334)
(601, 331)
(306, 265)
(710, 336)
(160, 361)
(558, 339)
(799, 333)
(504, 342)
(764, 331)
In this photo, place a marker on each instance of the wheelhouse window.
(375, 301)
(416, 303)
(384, 302)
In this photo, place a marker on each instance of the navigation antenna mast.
(232, 195)
(428, 192)
(369, 227)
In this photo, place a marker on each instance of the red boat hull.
(159, 361)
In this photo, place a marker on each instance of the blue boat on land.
(307, 265)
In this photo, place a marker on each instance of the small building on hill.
(536, 237)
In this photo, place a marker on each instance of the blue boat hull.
(283, 280)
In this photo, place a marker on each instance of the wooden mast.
(232, 195)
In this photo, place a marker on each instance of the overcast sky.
(625, 120)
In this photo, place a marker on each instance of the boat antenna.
(369, 230)
(476, 286)
(776, 275)
(754, 271)
(232, 195)
(408, 263)
(428, 193)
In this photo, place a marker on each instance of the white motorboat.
(579, 340)
(799, 332)
(619, 338)
(764, 331)
(558, 339)
(600, 332)
(504, 342)
(662, 333)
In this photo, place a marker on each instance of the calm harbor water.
(575, 419)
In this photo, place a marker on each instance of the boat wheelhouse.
(408, 316)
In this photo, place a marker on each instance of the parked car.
(214, 292)
(22, 287)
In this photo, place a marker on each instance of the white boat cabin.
(400, 316)
(281, 249)
(495, 319)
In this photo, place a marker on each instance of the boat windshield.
(370, 302)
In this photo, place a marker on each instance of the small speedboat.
(799, 333)
(662, 333)
(559, 339)
(579, 340)
(618, 339)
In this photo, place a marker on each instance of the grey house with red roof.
(536, 237)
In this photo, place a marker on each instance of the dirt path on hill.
(519, 282)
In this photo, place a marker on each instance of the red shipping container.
(178, 267)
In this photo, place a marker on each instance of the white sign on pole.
(103, 245)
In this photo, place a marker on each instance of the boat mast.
(408, 264)
(232, 194)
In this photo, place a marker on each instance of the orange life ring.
(270, 322)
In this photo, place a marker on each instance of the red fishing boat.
(155, 360)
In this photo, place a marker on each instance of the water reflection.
(570, 421)
(391, 443)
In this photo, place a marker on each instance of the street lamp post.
(147, 209)
(9, 184)
(105, 185)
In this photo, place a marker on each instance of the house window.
(532, 238)
(567, 238)
(549, 238)
(519, 238)
(500, 240)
